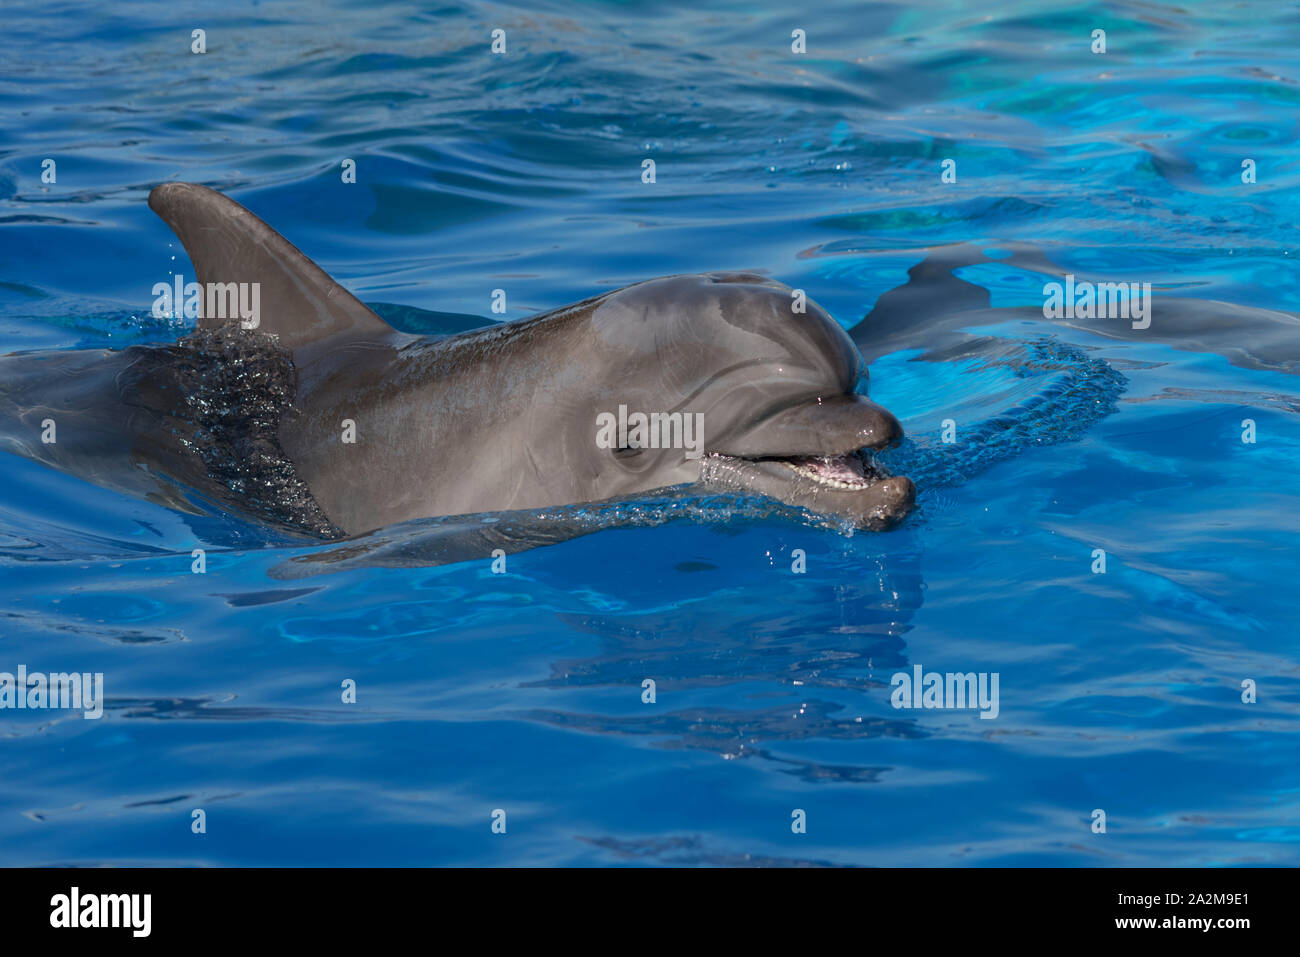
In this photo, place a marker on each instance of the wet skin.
(496, 419)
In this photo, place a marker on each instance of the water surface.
(523, 691)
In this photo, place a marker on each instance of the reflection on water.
(524, 690)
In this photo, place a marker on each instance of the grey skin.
(942, 304)
(497, 419)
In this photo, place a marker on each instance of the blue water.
(522, 692)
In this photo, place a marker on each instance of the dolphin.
(317, 417)
(941, 303)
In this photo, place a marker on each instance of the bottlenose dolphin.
(943, 304)
(322, 419)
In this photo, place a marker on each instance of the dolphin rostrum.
(318, 417)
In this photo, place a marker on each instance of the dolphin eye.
(627, 452)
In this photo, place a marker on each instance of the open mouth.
(854, 470)
(828, 463)
(849, 486)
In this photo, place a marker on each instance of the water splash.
(1080, 392)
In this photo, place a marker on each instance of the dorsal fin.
(298, 301)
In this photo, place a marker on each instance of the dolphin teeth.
(850, 471)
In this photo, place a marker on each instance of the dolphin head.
(772, 382)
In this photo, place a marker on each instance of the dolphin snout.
(832, 426)
(884, 430)
(892, 501)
